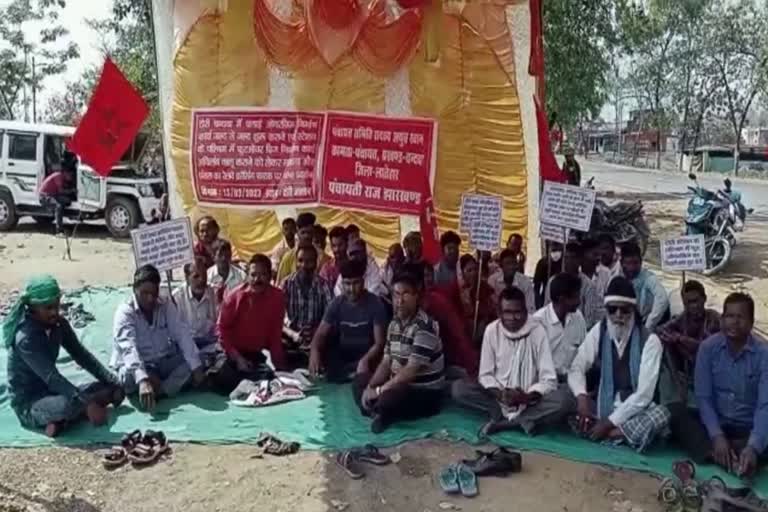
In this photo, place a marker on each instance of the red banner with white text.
(256, 158)
(264, 158)
(377, 163)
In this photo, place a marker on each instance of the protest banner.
(166, 246)
(553, 233)
(567, 206)
(481, 219)
(377, 163)
(258, 158)
(683, 253)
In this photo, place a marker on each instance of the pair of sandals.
(272, 445)
(138, 449)
(683, 494)
(499, 462)
(350, 461)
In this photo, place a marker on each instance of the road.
(607, 176)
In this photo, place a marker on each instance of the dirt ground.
(227, 478)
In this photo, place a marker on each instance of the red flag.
(430, 235)
(114, 116)
(548, 168)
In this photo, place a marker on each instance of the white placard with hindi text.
(683, 253)
(166, 246)
(567, 206)
(481, 219)
(553, 233)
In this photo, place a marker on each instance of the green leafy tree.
(662, 44)
(738, 49)
(48, 50)
(67, 107)
(129, 41)
(579, 37)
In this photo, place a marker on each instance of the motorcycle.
(624, 221)
(718, 216)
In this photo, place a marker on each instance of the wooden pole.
(477, 296)
(168, 279)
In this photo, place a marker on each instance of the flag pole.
(477, 296)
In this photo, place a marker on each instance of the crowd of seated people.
(587, 343)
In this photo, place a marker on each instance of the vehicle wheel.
(8, 217)
(122, 215)
(718, 255)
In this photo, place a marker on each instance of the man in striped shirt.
(408, 382)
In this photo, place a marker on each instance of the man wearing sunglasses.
(621, 359)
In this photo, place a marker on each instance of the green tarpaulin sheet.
(326, 420)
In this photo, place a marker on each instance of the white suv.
(30, 152)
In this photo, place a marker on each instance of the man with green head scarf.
(42, 398)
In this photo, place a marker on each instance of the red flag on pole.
(114, 116)
(548, 168)
(428, 226)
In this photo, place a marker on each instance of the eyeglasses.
(624, 310)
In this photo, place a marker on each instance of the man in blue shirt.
(731, 385)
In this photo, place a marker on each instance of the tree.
(661, 40)
(67, 107)
(738, 47)
(27, 61)
(129, 41)
(578, 41)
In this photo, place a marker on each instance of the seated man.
(408, 383)
(563, 322)
(510, 274)
(197, 307)
(681, 337)
(251, 321)
(413, 245)
(207, 231)
(591, 306)
(395, 260)
(224, 276)
(307, 296)
(372, 280)
(330, 271)
(287, 243)
(517, 383)
(446, 269)
(731, 428)
(652, 299)
(624, 358)
(306, 232)
(153, 351)
(34, 332)
(546, 269)
(609, 257)
(350, 338)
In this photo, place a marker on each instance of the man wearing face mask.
(591, 300)
(624, 359)
(542, 274)
(517, 383)
(652, 299)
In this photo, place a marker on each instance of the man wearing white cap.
(621, 359)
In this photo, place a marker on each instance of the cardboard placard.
(683, 253)
(481, 219)
(567, 206)
(166, 246)
(553, 233)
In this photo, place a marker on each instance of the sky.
(73, 17)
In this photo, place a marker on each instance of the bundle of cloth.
(285, 387)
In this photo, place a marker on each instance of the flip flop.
(670, 495)
(371, 455)
(274, 446)
(349, 464)
(467, 481)
(449, 479)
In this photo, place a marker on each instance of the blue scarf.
(606, 394)
(644, 303)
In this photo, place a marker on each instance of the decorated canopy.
(464, 65)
